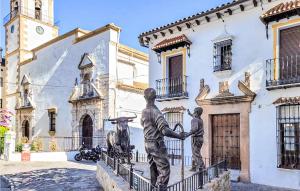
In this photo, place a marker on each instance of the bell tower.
(29, 24)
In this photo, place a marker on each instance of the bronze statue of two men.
(155, 129)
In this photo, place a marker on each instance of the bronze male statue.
(155, 129)
(197, 132)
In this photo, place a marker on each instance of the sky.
(133, 16)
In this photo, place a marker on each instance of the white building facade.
(240, 63)
(68, 85)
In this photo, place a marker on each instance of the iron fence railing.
(200, 178)
(283, 71)
(27, 12)
(176, 160)
(139, 183)
(66, 144)
(171, 87)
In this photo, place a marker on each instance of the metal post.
(118, 167)
(114, 163)
(200, 178)
(131, 177)
(172, 159)
(137, 156)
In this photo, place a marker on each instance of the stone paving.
(237, 186)
(58, 176)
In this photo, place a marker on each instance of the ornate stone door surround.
(227, 103)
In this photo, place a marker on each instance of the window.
(173, 145)
(52, 118)
(288, 136)
(1, 103)
(38, 8)
(222, 55)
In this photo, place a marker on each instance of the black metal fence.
(283, 71)
(171, 88)
(175, 161)
(65, 144)
(140, 183)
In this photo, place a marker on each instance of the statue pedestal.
(9, 144)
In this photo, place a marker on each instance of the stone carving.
(155, 129)
(224, 89)
(197, 132)
(118, 142)
(244, 86)
(247, 79)
(203, 92)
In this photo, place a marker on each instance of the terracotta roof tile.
(171, 41)
(282, 8)
(288, 100)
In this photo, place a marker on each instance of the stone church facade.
(67, 85)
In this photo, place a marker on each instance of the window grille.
(52, 116)
(222, 55)
(173, 145)
(288, 136)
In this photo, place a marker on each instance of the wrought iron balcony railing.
(27, 12)
(175, 88)
(283, 72)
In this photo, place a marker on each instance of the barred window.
(222, 55)
(288, 136)
(52, 117)
(173, 145)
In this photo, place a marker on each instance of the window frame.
(52, 121)
(288, 141)
(220, 55)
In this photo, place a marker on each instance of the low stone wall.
(108, 180)
(219, 184)
(45, 156)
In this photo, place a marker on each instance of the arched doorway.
(87, 131)
(25, 129)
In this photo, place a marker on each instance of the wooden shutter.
(289, 53)
(175, 67)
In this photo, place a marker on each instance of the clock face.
(12, 29)
(39, 30)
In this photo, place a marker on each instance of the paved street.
(237, 186)
(46, 176)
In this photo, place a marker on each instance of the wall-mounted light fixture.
(188, 50)
(158, 57)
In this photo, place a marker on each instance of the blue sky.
(133, 16)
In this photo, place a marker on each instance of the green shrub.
(19, 147)
(3, 130)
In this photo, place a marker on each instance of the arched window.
(16, 7)
(38, 9)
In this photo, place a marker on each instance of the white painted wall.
(250, 50)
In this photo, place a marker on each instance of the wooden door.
(226, 139)
(289, 53)
(87, 131)
(175, 75)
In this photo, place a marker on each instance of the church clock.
(40, 30)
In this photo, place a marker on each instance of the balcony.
(283, 72)
(29, 13)
(171, 89)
